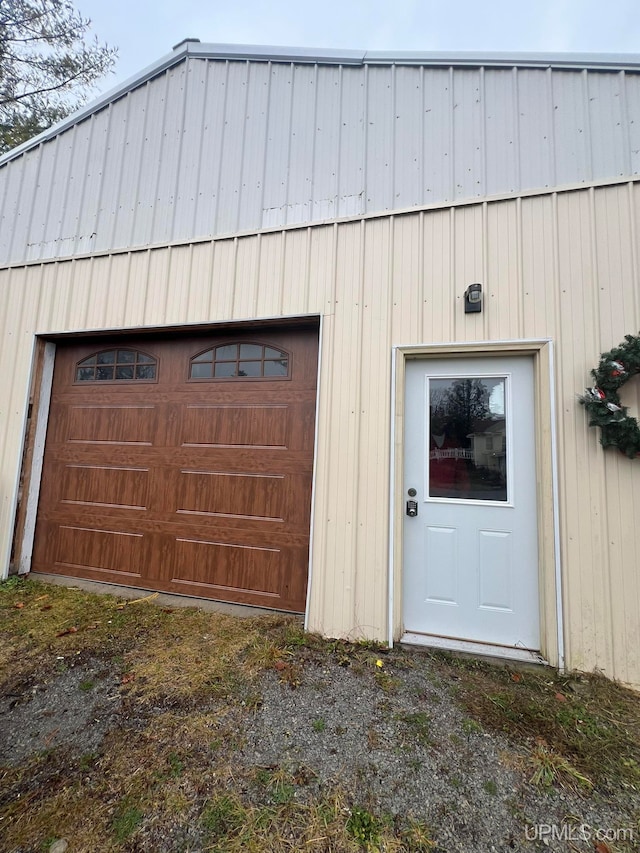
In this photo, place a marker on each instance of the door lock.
(412, 508)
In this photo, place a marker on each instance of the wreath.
(602, 401)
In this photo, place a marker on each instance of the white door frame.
(549, 568)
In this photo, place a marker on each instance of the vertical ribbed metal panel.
(214, 147)
(558, 265)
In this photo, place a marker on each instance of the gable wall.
(563, 266)
(212, 147)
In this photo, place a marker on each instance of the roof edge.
(328, 56)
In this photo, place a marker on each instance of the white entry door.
(471, 551)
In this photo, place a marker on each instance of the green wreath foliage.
(602, 401)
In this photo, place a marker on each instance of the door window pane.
(468, 439)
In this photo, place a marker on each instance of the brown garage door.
(183, 465)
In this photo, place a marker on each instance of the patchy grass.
(417, 725)
(582, 729)
(167, 775)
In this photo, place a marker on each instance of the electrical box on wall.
(473, 299)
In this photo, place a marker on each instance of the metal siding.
(408, 148)
(254, 153)
(536, 146)
(469, 178)
(438, 139)
(351, 160)
(436, 278)
(380, 128)
(191, 152)
(563, 265)
(301, 145)
(607, 120)
(212, 132)
(631, 127)
(276, 167)
(89, 181)
(371, 404)
(572, 148)
(501, 132)
(212, 147)
(326, 144)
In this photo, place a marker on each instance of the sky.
(146, 30)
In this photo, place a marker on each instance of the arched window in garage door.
(117, 365)
(241, 361)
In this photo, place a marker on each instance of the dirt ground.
(140, 728)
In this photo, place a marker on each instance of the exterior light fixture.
(473, 299)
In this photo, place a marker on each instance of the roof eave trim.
(100, 103)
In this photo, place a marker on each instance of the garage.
(183, 464)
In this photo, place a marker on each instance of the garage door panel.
(247, 574)
(196, 487)
(105, 487)
(95, 550)
(229, 565)
(228, 425)
(123, 424)
(219, 494)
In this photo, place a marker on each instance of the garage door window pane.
(276, 368)
(123, 365)
(251, 351)
(226, 369)
(201, 371)
(240, 361)
(145, 371)
(227, 353)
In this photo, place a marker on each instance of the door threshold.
(473, 648)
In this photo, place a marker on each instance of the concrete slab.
(164, 599)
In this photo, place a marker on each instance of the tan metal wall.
(562, 265)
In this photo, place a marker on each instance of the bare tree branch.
(48, 65)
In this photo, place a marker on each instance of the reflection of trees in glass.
(458, 408)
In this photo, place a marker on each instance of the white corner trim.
(556, 511)
(392, 497)
(42, 419)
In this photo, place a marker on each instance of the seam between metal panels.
(324, 223)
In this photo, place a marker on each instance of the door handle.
(412, 508)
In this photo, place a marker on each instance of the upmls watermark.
(547, 832)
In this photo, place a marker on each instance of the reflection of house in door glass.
(467, 439)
